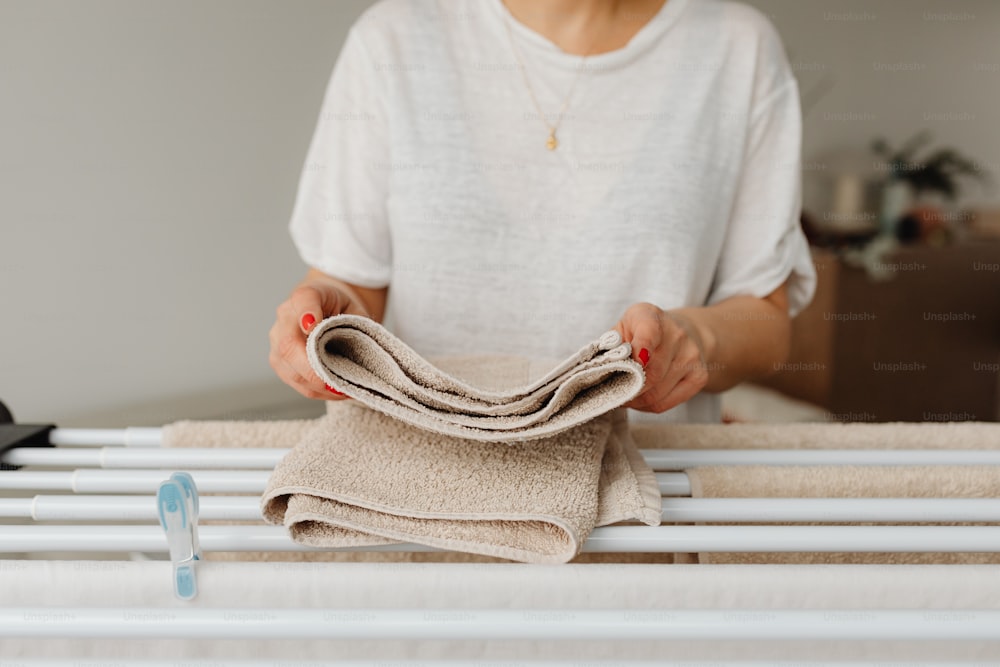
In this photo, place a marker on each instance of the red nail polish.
(308, 321)
(644, 356)
(332, 390)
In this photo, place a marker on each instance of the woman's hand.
(317, 297)
(671, 348)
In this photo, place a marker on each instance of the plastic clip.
(177, 507)
(191, 496)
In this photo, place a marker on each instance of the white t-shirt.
(676, 180)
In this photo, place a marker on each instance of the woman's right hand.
(313, 300)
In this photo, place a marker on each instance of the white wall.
(893, 67)
(149, 152)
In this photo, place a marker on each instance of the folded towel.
(497, 398)
(502, 456)
(363, 478)
(615, 488)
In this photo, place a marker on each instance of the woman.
(530, 173)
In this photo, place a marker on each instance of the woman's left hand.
(671, 349)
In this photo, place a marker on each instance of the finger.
(658, 372)
(676, 371)
(288, 346)
(298, 362)
(290, 362)
(652, 400)
(685, 378)
(661, 376)
(306, 307)
(655, 389)
(682, 392)
(311, 304)
(305, 386)
(644, 402)
(642, 326)
(293, 379)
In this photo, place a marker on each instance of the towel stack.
(502, 456)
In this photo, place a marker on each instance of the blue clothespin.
(177, 507)
(191, 494)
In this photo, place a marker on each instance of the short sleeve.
(764, 243)
(339, 223)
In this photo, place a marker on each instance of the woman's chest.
(468, 152)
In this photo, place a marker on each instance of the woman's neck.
(583, 27)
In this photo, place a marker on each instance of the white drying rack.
(93, 491)
(130, 463)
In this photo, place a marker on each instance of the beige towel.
(501, 456)
(363, 478)
(834, 481)
(890, 435)
(850, 482)
(491, 398)
(288, 433)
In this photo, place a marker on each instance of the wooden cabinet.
(921, 346)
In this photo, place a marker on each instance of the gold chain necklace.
(551, 143)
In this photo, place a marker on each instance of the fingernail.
(332, 390)
(644, 356)
(308, 321)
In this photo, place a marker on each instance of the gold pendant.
(551, 142)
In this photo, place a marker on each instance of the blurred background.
(150, 151)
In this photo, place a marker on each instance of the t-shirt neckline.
(543, 48)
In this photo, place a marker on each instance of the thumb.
(641, 327)
(307, 306)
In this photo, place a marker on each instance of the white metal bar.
(31, 480)
(11, 508)
(610, 539)
(682, 459)
(501, 624)
(892, 539)
(133, 481)
(659, 459)
(133, 436)
(675, 510)
(673, 484)
(251, 458)
(831, 510)
(87, 437)
(124, 508)
(207, 458)
(207, 481)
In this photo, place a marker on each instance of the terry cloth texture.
(856, 435)
(848, 482)
(363, 478)
(489, 398)
(615, 484)
(837, 481)
(834, 481)
(500, 456)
